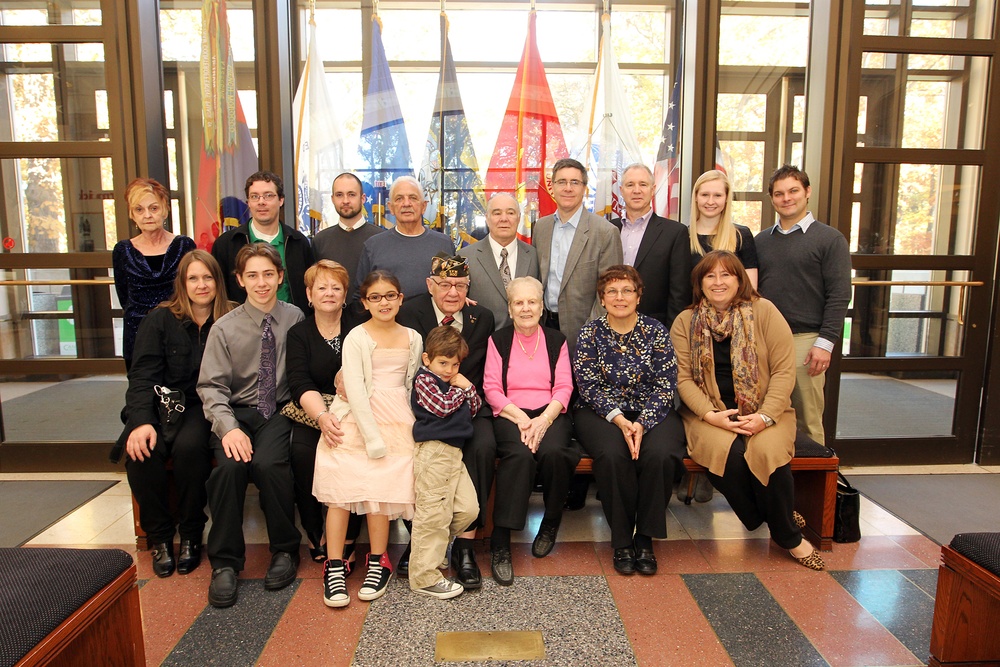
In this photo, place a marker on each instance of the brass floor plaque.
(481, 646)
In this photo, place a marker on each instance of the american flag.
(666, 171)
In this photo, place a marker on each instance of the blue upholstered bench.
(69, 606)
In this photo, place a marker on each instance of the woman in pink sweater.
(528, 382)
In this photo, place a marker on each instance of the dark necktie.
(504, 267)
(447, 320)
(266, 379)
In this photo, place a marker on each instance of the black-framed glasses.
(388, 296)
(267, 196)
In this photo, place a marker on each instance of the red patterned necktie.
(447, 320)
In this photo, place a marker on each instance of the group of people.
(373, 374)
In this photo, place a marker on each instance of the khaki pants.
(446, 506)
(807, 396)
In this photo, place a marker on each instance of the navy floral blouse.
(634, 372)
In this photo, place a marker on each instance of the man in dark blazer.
(445, 304)
(658, 248)
(499, 258)
(574, 247)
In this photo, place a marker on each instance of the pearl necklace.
(538, 337)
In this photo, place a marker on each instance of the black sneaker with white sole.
(335, 584)
(377, 580)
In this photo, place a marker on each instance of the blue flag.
(450, 172)
(383, 148)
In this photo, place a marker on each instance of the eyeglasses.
(625, 291)
(447, 287)
(267, 196)
(562, 182)
(388, 296)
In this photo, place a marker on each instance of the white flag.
(319, 145)
(610, 144)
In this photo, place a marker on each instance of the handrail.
(75, 281)
(961, 284)
(917, 283)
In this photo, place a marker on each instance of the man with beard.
(344, 241)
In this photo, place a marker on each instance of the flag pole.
(441, 213)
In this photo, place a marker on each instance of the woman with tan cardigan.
(736, 371)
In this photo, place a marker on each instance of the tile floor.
(722, 596)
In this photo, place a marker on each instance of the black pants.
(303, 458)
(192, 465)
(755, 503)
(555, 461)
(634, 494)
(311, 511)
(271, 471)
(479, 455)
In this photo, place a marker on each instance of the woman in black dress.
(712, 226)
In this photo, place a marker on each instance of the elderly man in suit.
(658, 248)
(499, 258)
(574, 247)
(445, 304)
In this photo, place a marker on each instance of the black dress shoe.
(281, 572)
(645, 561)
(189, 556)
(403, 566)
(463, 561)
(222, 590)
(625, 560)
(544, 540)
(502, 566)
(163, 559)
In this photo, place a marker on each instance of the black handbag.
(171, 411)
(169, 408)
(847, 520)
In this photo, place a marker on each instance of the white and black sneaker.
(442, 590)
(377, 580)
(335, 584)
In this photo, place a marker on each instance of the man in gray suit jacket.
(499, 258)
(574, 247)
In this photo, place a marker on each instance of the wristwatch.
(767, 420)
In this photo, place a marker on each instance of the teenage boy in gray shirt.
(243, 387)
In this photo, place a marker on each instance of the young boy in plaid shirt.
(443, 402)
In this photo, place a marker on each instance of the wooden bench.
(815, 493)
(71, 607)
(967, 603)
(815, 471)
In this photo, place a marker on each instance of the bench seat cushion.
(41, 588)
(983, 549)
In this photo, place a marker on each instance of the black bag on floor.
(847, 521)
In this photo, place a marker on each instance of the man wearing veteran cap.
(445, 304)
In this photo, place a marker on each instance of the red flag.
(227, 152)
(530, 140)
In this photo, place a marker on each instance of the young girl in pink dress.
(371, 470)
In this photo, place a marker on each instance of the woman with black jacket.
(167, 355)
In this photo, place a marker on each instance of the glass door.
(922, 234)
